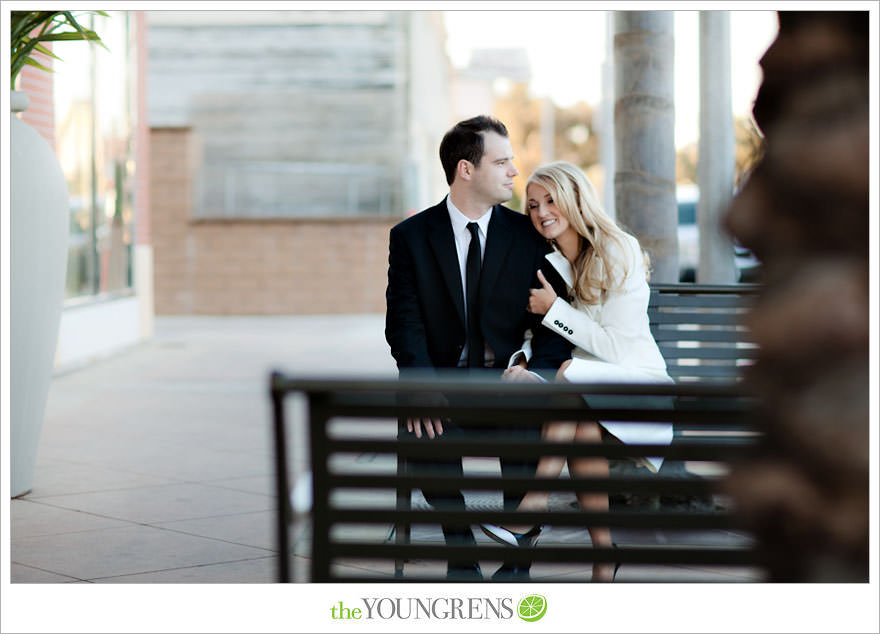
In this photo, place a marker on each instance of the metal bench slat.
(678, 300)
(633, 484)
(733, 556)
(696, 449)
(625, 518)
(685, 372)
(731, 355)
(709, 319)
(665, 288)
(715, 335)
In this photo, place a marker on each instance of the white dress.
(613, 341)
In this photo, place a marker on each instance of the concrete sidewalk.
(156, 465)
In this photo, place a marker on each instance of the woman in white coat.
(606, 318)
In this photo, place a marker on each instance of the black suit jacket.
(425, 320)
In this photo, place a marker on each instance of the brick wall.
(309, 266)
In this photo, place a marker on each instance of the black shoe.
(509, 538)
(464, 572)
(512, 572)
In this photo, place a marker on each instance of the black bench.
(698, 329)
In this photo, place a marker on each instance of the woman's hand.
(519, 374)
(541, 299)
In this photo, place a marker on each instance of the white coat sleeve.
(622, 317)
(524, 353)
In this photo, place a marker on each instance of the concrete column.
(716, 164)
(606, 118)
(644, 131)
(143, 248)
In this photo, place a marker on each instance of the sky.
(566, 50)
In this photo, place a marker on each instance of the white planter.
(39, 225)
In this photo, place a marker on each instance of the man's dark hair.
(465, 141)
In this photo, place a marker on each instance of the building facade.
(285, 144)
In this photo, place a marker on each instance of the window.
(93, 132)
(279, 189)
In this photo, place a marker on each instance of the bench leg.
(404, 503)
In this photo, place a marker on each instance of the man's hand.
(433, 426)
(426, 426)
(541, 299)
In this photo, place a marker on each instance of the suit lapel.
(562, 266)
(443, 244)
(497, 245)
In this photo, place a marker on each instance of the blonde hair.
(599, 269)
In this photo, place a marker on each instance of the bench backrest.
(699, 329)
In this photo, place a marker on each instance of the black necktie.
(472, 279)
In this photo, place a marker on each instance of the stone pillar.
(644, 132)
(606, 118)
(716, 164)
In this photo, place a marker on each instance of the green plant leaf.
(86, 34)
(24, 22)
(29, 28)
(32, 62)
(56, 37)
(46, 51)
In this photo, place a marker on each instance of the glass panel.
(73, 145)
(93, 141)
(113, 154)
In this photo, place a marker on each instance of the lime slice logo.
(532, 607)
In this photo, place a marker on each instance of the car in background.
(747, 265)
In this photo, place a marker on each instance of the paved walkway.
(155, 465)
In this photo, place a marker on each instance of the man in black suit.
(459, 275)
